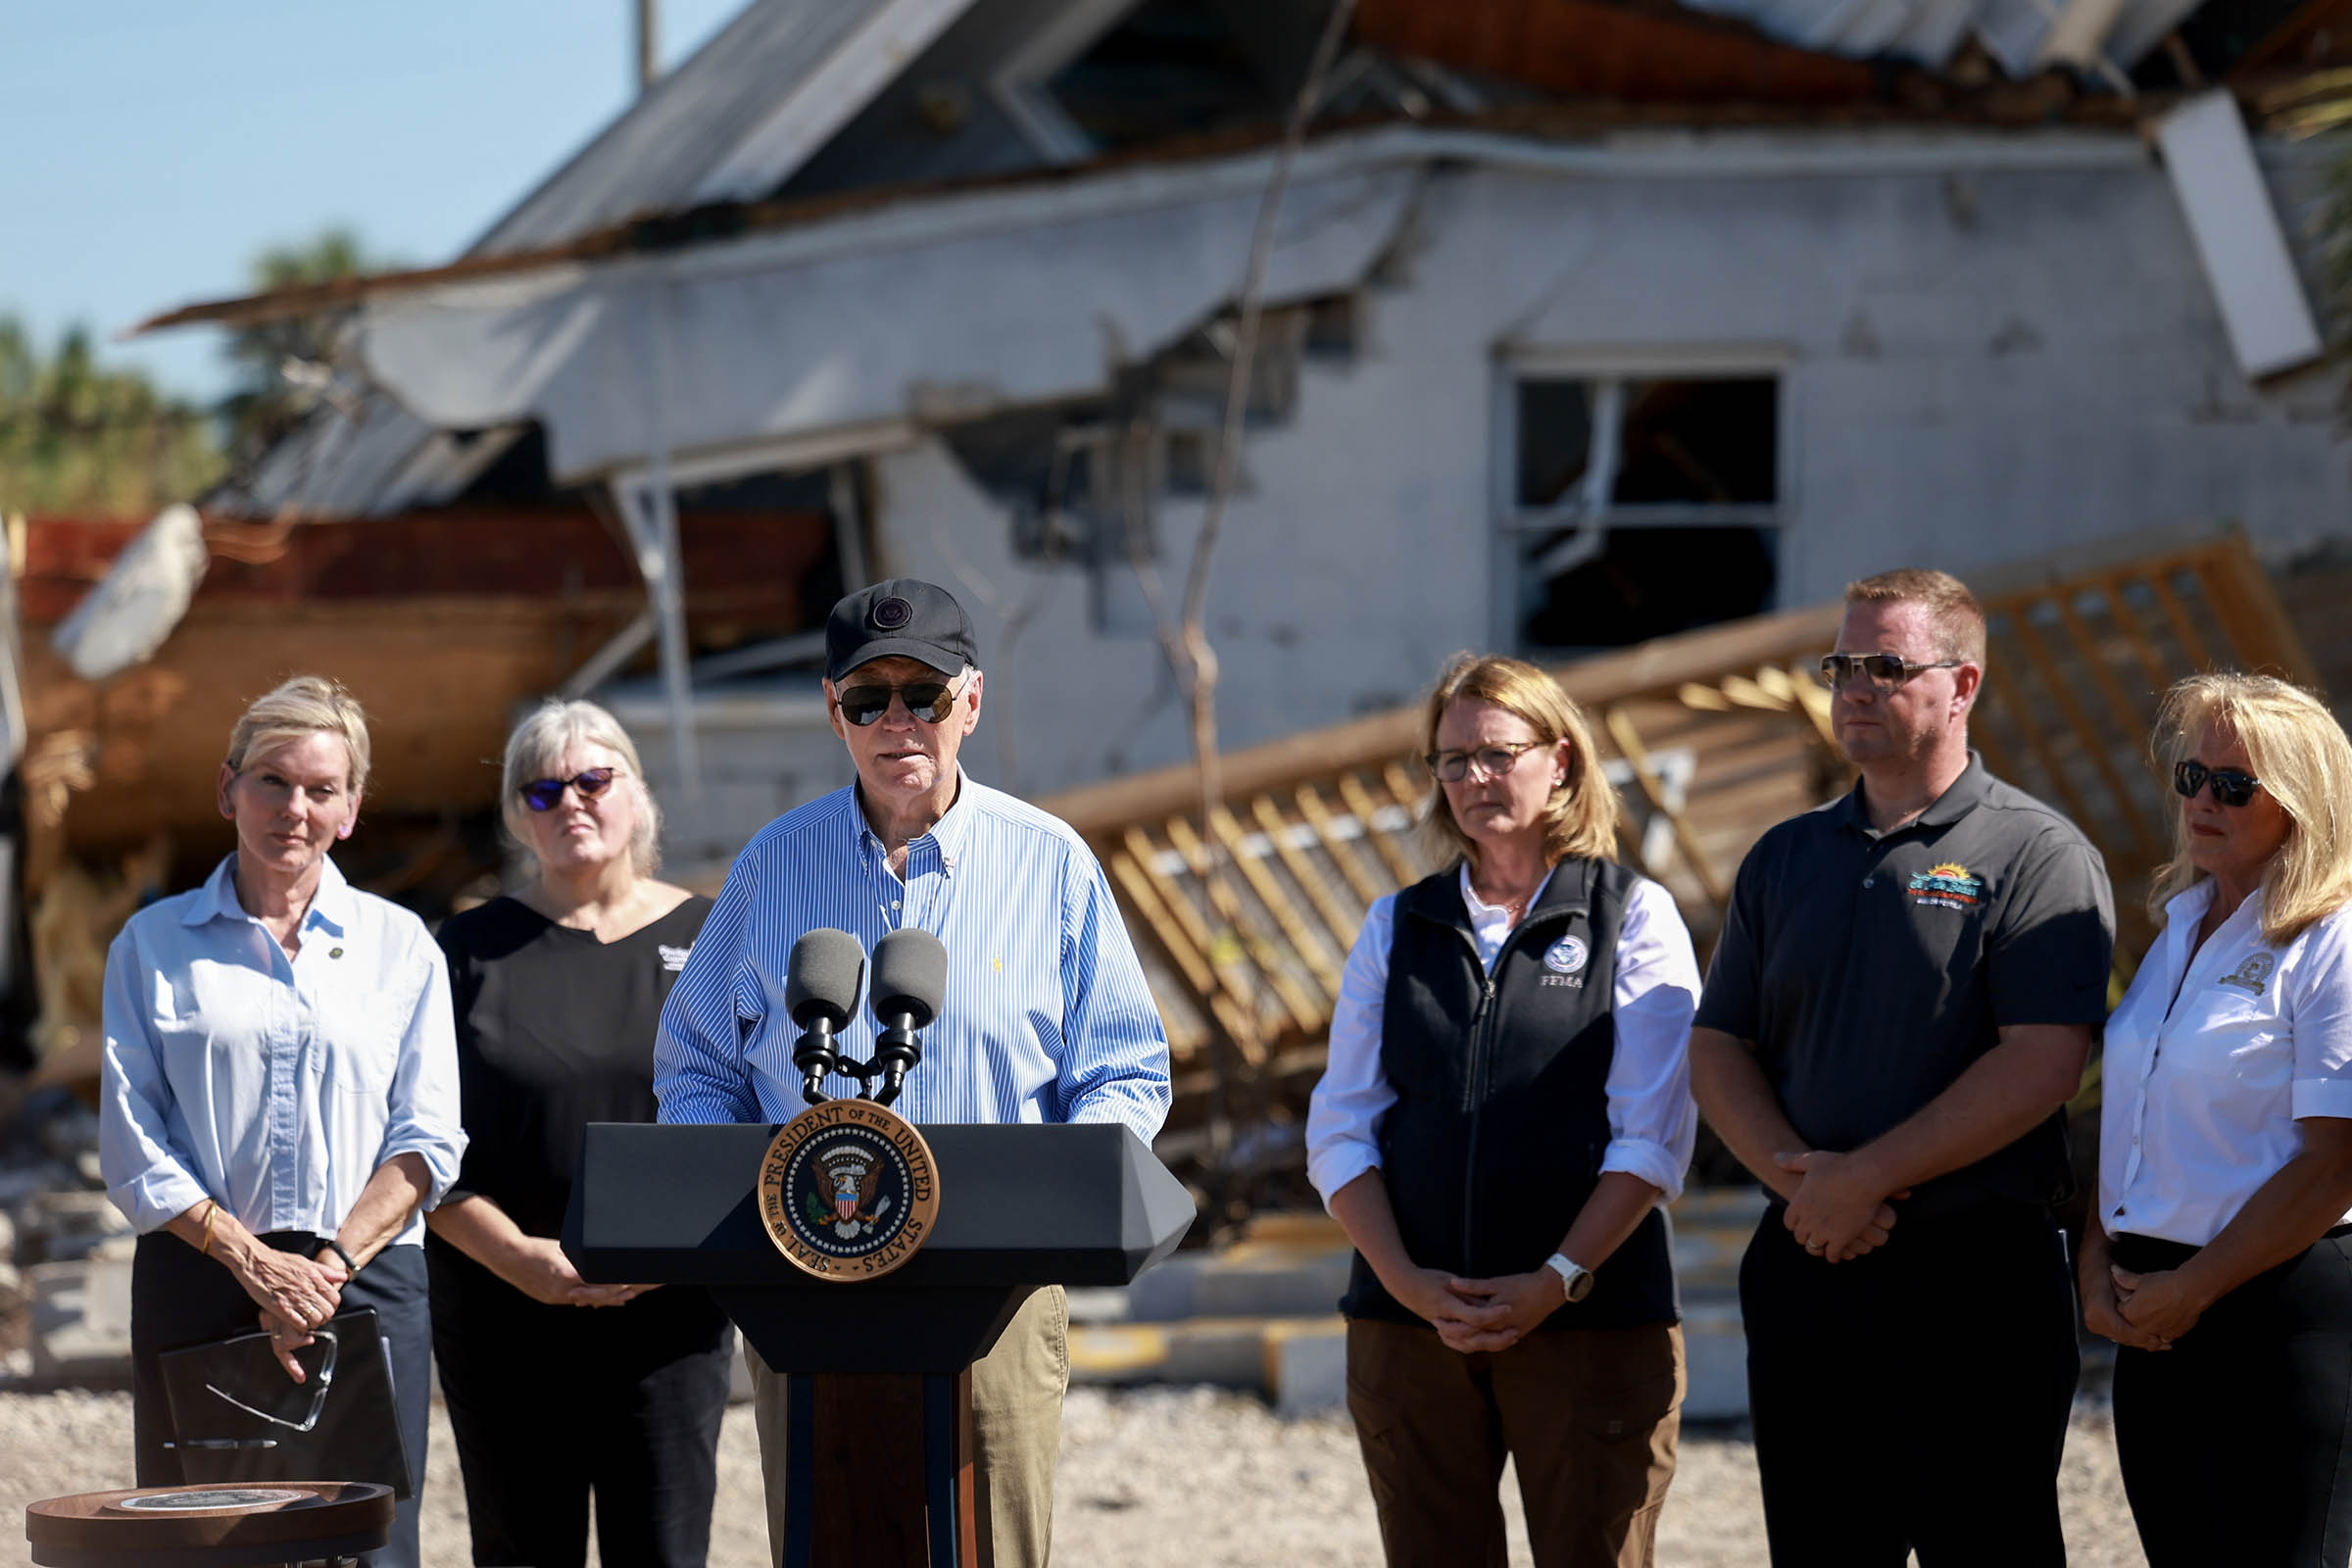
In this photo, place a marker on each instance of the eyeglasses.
(1491, 761)
(545, 794)
(2231, 786)
(930, 701)
(1885, 671)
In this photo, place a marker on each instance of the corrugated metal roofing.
(686, 124)
(2015, 32)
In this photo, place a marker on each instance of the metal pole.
(649, 49)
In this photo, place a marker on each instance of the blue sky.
(153, 148)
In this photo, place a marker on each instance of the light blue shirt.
(274, 1086)
(1046, 1016)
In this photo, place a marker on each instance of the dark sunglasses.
(1493, 762)
(2230, 787)
(545, 794)
(1885, 671)
(930, 701)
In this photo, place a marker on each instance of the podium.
(878, 1452)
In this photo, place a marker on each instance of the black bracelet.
(337, 1248)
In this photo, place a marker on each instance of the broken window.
(1640, 507)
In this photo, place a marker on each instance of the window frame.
(1608, 368)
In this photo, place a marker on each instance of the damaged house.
(1588, 321)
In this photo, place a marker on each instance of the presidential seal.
(847, 1190)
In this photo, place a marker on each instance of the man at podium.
(1046, 1018)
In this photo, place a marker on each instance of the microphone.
(910, 977)
(820, 991)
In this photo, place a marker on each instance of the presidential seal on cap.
(847, 1190)
(904, 618)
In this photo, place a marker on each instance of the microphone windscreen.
(822, 979)
(910, 975)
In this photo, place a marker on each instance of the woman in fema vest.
(1508, 1102)
(2221, 1254)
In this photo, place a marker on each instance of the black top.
(554, 1030)
(1502, 1117)
(1871, 969)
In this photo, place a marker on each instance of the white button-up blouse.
(275, 1086)
(2210, 1061)
(1653, 1126)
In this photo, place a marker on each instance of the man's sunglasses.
(545, 794)
(2231, 786)
(930, 701)
(1885, 671)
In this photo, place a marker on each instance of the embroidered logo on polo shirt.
(2254, 974)
(1949, 886)
(674, 958)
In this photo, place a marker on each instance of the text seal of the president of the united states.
(847, 1190)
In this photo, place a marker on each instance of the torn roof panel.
(712, 113)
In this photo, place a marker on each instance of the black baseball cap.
(901, 618)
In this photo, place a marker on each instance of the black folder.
(237, 1417)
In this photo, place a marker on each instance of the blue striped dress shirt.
(1046, 1016)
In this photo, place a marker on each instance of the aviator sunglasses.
(1885, 671)
(545, 794)
(2231, 786)
(930, 701)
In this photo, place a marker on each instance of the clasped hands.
(2146, 1311)
(1839, 1210)
(1472, 1315)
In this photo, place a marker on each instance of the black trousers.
(550, 1403)
(179, 1296)
(1914, 1399)
(2234, 1441)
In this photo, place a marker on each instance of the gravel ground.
(1184, 1477)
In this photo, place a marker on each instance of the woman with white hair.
(2220, 1256)
(279, 1096)
(556, 1387)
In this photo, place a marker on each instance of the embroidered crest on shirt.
(1949, 886)
(2254, 974)
(674, 958)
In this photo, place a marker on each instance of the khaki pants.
(1016, 1434)
(1590, 1416)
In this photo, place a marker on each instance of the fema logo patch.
(1566, 955)
(847, 1190)
(893, 612)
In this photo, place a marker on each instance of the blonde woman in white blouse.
(2219, 1257)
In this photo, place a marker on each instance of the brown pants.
(1590, 1417)
(1016, 1434)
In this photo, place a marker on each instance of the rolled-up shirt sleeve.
(700, 1074)
(1115, 1060)
(1654, 1125)
(427, 1112)
(1346, 1111)
(2323, 1022)
(145, 1176)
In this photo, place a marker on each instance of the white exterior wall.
(1976, 369)
(1979, 369)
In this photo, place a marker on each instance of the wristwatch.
(1576, 1280)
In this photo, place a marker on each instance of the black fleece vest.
(1501, 1113)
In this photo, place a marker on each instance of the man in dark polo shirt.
(1900, 1004)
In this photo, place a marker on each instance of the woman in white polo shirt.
(2219, 1257)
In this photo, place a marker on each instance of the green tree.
(79, 438)
(268, 401)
